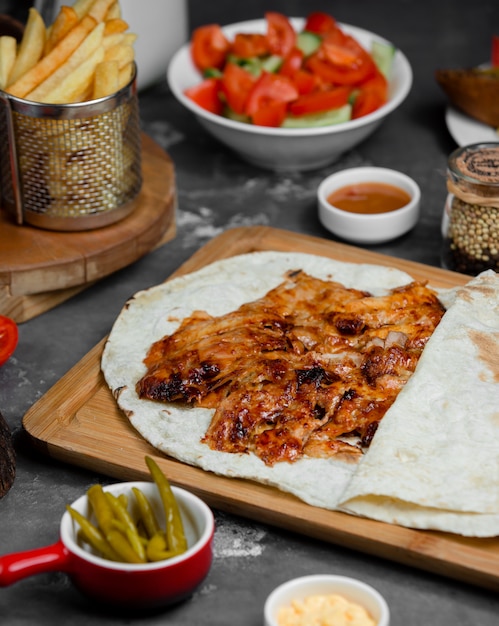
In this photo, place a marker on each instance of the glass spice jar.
(472, 209)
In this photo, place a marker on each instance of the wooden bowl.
(474, 91)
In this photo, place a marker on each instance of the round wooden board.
(41, 268)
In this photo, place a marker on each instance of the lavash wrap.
(219, 288)
(434, 462)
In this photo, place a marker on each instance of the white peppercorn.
(472, 239)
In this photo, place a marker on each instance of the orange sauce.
(369, 198)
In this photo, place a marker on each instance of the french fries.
(8, 48)
(60, 64)
(82, 7)
(68, 79)
(115, 25)
(49, 64)
(64, 22)
(107, 79)
(31, 46)
(88, 165)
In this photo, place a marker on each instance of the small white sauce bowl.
(327, 584)
(363, 228)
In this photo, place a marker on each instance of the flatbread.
(218, 289)
(434, 462)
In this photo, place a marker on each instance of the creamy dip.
(324, 610)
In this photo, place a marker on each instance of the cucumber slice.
(255, 65)
(315, 120)
(308, 42)
(252, 65)
(383, 55)
(271, 63)
(212, 72)
(236, 117)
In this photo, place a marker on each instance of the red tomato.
(236, 85)
(365, 102)
(272, 114)
(247, 45)
(205, 94)
(339, 55)
(306, 82)
(209, 47)
(320, 23)
(347, 64)
(320, 101)
(269, 89)
(495, 51)
(281, 35)
(371, 96)
(335, 36)
(292, 63)
(378, 83)
(8, 338)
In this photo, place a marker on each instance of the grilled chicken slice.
(309, 369)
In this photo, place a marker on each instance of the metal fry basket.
(70, 167)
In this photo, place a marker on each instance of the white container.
(324, 584)
(162, 27)
(363, 228)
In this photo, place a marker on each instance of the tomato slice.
(320, 101)
(205, 94)
(268, 90)
(236, 85)
(341, 60)
(340, 56)
(349, 61)
(247, 45)
(320, 23)
(371, 96)
(272, 114)
(292, 63)
(209, 47)
(9, 336)
(365, 102)
(306, 82)
(281, 35)
(495, 51)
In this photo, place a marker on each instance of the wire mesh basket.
(71, 166)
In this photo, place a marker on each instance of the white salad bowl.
(288, 149)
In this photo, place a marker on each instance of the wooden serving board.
(78, 422)
(39, 268)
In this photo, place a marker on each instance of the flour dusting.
(244, 543)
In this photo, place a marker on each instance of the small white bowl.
(350, 588)
(363, 228)
(288, 149)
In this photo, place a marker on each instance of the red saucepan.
(146, 585)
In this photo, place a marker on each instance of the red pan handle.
(19, 565)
